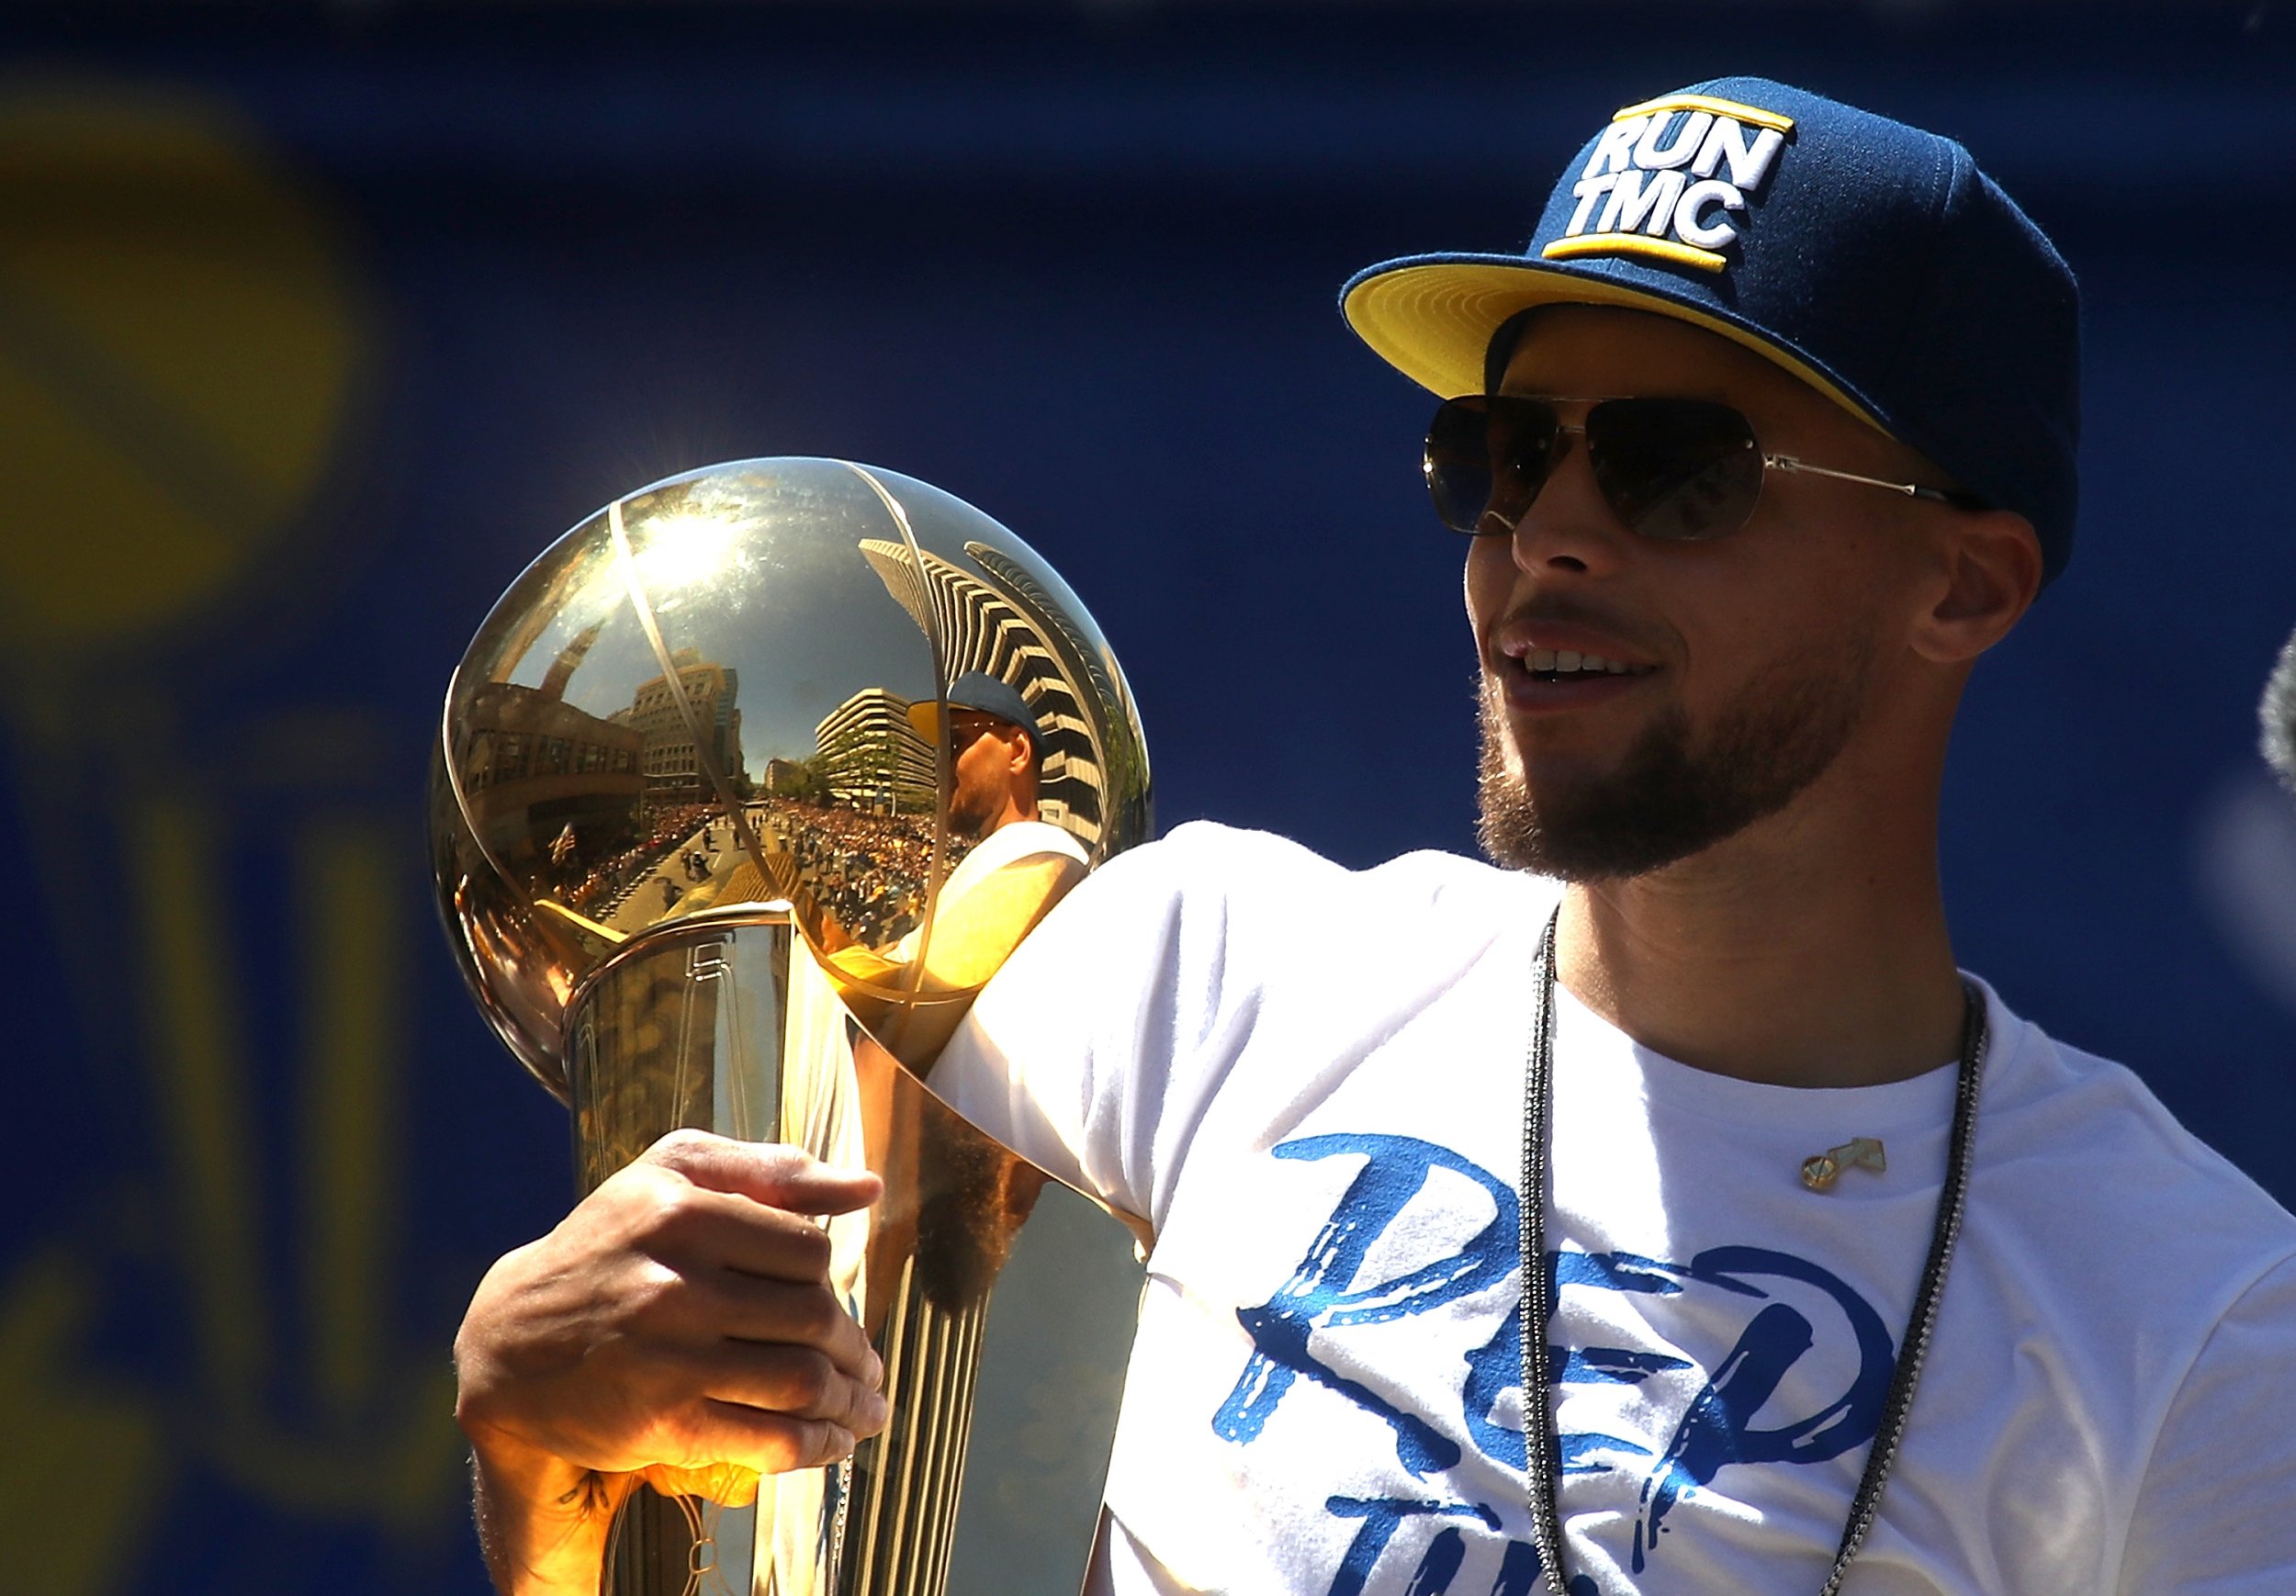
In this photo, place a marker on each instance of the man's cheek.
(1488, 580)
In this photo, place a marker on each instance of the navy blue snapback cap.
(979, 691)
(1872, 259)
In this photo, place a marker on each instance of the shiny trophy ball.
(744, 789)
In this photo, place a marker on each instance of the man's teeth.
(1565, 661)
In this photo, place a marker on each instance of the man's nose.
(1568, 525)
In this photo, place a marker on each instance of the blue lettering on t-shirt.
(1716, 1430)
(1380, 1516)
(1322, 1292)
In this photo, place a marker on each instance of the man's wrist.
(542, 1520)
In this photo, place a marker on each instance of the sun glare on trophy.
(681, 547)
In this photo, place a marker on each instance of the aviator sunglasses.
(1675, 469)
(961, 734)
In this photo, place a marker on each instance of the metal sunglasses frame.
(1785, 462)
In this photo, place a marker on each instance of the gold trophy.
(706, 859)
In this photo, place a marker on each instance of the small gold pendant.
(1819, 1174)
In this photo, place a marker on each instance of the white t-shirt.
(1009, 845)
(1005, 846)
(1310, 1081)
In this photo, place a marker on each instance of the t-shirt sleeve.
(2216, 1510)
(1094, 1050)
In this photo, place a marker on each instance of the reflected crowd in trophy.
(601, 889)
(866, 872)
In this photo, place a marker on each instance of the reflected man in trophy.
(1017, 866)
(992, 736)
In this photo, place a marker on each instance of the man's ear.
(1990, 570)
(1022, 744)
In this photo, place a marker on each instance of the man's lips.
(1524, 636)
(1543, 666)
(1534, 692)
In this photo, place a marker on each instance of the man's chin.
(1580, 838)
(1662, 799)
(1656, 804)
(1576, 816)
(967, 829)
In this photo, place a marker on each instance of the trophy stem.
(726, 1024)
(908, 1479)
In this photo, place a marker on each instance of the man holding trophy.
(1840, 1270)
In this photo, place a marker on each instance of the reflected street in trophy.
(744, 790)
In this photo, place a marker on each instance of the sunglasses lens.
(1487, 459)
(1675, 469)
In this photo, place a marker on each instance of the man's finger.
(796, 1383)
(773, 1443)
(770, 1313)
(777, 1175)
(725, 1231)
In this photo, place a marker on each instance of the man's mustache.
(1564, 610)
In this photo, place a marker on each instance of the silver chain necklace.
(1539, 1442)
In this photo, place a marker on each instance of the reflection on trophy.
(744, 790)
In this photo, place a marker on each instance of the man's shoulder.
(1251, 868)
(1236, 911)
(2101, 1162)
(1026, 839)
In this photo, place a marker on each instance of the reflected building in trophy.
(870, 758)
(588, 806)
(536, 766)
(670, 756)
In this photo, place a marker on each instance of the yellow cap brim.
(1433, 321)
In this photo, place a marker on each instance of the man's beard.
(969, 814)
(1666, 800)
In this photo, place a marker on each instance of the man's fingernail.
(876, 1375)
(875, 1410)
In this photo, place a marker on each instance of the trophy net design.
(707, 858)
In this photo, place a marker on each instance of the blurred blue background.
(316, 323)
